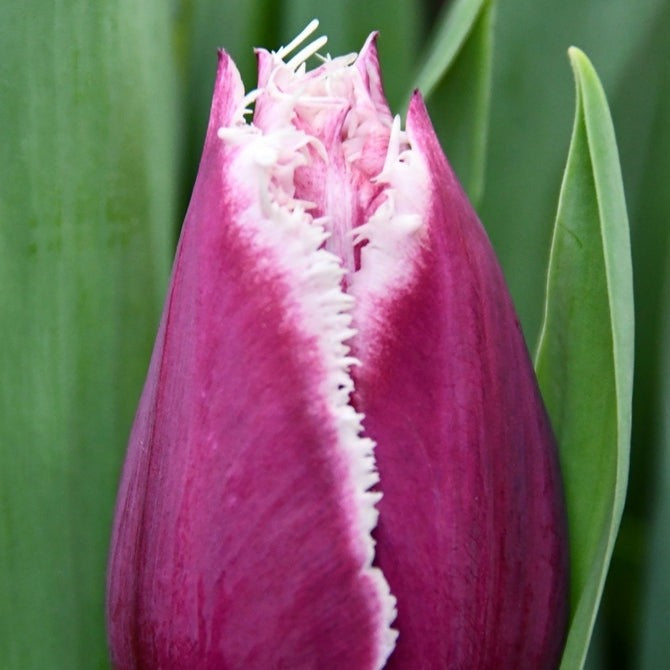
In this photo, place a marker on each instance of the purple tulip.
(340, 459)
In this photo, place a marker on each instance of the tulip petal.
(368, 65)
(241, 537)
(243, 528)
(472, 535)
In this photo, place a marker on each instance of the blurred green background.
(103, 108)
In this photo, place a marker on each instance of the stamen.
(298, 39)
(306, 52)
(250, 97)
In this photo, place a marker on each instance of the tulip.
(340, 459)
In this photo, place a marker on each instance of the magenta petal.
(472, 535)
(235, 542)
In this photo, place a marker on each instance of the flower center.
(331, 148)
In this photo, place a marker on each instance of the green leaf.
(453, 28)
(653, 397)
(585, 356)
(88, 114)
(456, 80)
(531, 113)
(202, 27)
(655, 642)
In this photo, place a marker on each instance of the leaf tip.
(580, 62)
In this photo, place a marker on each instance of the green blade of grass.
(585, 355)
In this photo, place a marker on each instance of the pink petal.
(238, 538)
(368, 64)
(472, 535)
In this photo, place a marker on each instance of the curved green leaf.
(455, 78)
(532, 113)
(88, 111)
(585, 355)
(452, 31)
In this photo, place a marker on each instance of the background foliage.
(103, 108)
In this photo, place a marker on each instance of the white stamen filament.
(308, 30)
(306, 52)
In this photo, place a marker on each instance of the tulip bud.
(340, 458)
